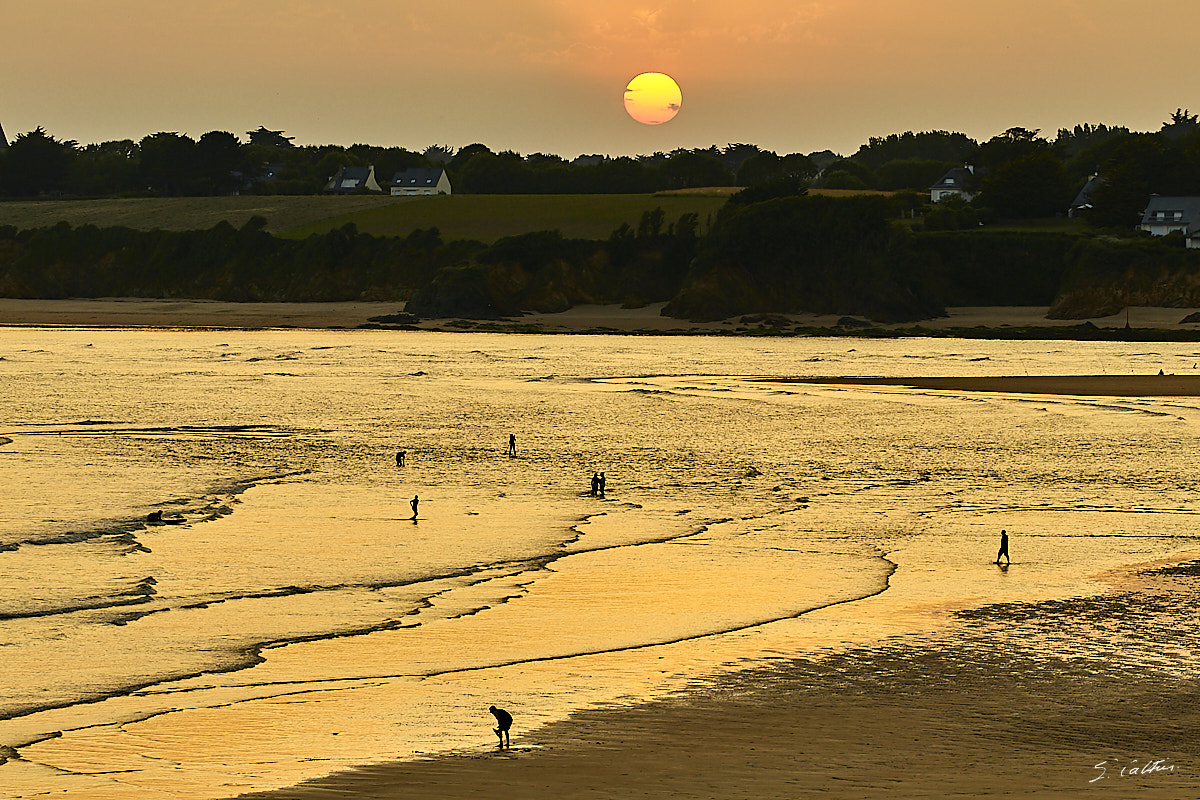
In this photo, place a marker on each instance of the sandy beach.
(953, 703)
(919, 717)
(177, 313)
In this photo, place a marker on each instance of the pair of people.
(598, 481)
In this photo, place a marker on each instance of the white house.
(420, 181)
(1165, 215)
(958, 182)
(353, 179)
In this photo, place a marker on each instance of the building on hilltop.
(420, 181)
(1165, 215)
(353, 179)
(957, 182)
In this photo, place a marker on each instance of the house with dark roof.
(1083, 201)
(353, 179)
(957, 182)
(1165, 215)
(420, 181)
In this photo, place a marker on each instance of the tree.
(910, 173)
(759, 168)
(106, 169)
(219, 160)
(35, 163)
(954, 148)
(169, 164)
(1137, 167)
(687, 169)
(1034, 185)
(847, 174)
(1010, 145)
(265, 138)
(1180, 124)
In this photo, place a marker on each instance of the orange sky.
(548, 75)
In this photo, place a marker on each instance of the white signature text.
(1132, 768)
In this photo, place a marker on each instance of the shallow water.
(296, 622)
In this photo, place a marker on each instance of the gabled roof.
(350, 179)
(1084, 198)
(418, 176)
(1188, 209)
(955, 178)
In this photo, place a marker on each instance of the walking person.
(414, 503)
(503, 723)
(1003, 548)
(602, 482)
(595, 483)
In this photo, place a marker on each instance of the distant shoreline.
(999, 322)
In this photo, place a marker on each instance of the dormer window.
(949, 181)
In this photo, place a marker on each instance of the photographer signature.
(1133, 768)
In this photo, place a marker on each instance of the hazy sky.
(548, 75)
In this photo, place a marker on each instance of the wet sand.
(919, 717)
(1075, 385)
(179, 313)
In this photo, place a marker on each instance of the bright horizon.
(548, 75)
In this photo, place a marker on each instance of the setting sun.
(653, 98)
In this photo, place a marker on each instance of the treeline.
(1019, 173)
(773, 248)
(538, 271)
(221, 263)
(218, 163)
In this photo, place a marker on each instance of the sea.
(211, 581)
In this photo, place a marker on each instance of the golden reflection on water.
(298, 623)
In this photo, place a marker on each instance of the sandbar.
(1074, 385)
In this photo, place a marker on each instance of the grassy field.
(488, 217)
(482, 217)
(185, 213)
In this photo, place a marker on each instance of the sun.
(653, 98)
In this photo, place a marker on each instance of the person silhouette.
(413, 503)
(602, 482)
(1003, 548)
(595, 483)
(504, 721)
(400, 459)
(512, 444)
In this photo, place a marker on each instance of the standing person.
(1003, 548)
(413, 503)
(512, 444)
(503, 723)
(602, 482)
(595, 483)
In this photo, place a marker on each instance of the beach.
(788, 589)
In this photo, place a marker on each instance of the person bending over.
(503, 723)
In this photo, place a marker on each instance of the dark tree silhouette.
(36, 163)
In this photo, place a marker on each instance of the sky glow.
(542, 75)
